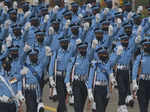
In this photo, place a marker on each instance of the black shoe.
(131, 103)
(54, 98)
(93, 110)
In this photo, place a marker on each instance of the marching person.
(100, 74)
(32, 73)
(79, 67)
(11, 88)
(57, 70)
(141, 73)
(123, 72)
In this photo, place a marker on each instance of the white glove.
(48, 51)
(130, 14)
(1, 5)
(86, 26)
(80, 16)
(138, 39)
(67, 24)
(24, 71)
(119, 22)
(120, 10)
(5, 98)
(46, 18)
(27, 14)
(27, 26)
(55, 9)
(69, 89)
(128, 99)
(47, 2)
(3, 48)
(110, 30)
(52, 82)
(5, 9)
(9, 41)
(139, 30)
(20, 96)
(90, 95)
(20, 11)
(69, 6)
(106, 10)
(139, 9)
(88, 7)
(135, 86)
(15, 4)
(113, 80)
(40, 105)
(94, 43)
(35, 2)
(51, 31)
(7, 24)
(97, 18)
(119, 50)
(27, 48)
(78, 41)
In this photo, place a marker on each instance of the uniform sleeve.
(136, 67)
(69, 69)
(25, 34)
(19, 77)
(20, 85)
(113, 59)
(3, 18)
(91, 76)
(4, 34)
(52, 65)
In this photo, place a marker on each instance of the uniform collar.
(64, 50)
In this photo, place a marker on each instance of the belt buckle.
(27, 86)
(59, 73)
(142, 77)
(31, 86)
(82, 78)
(76, 77)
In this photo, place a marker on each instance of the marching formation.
(84, 50)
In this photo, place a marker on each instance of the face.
(14, 53)
(137, 21)
(95, 11)
(64, 44)
(146, 48)
(103, 56)
(74, 9)
(40, 38)
(105, 26)
(99, 36)
(68, 17)
(125, 42)
(83, 51)
(33, 58)
(55, 26)
(6, 65)
(13, 17)
(128, 31)
(25, 8)
(75, 31)
(17, 32)
(44, 12)
(128, 8)
(35, 22)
